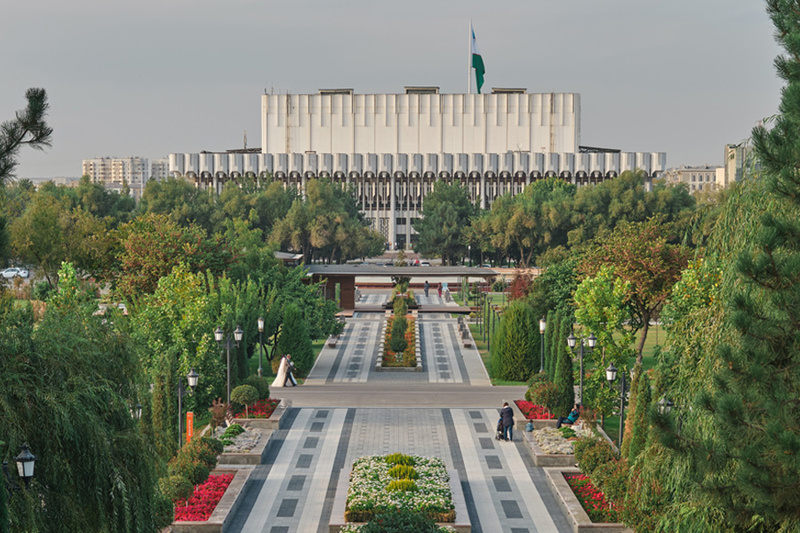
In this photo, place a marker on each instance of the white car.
(11, 273)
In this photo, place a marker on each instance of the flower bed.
(355, 528)
(204, 500)
(531, 411)
(260, 409)
(592, 500)
(409, 356)
(374, 489)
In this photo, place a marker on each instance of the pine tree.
(748, 466)
(295, 340)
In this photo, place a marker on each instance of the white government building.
(377, 143)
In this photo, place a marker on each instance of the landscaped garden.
(399, 350)
(592, 500)
(379, 484)
(531, 411)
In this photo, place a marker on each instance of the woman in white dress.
(280, 379)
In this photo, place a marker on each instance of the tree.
(515, 343)
(152, 245)
(245, 395)
(66, 385)
(641, 256)
(295, 340)
(564, 379)
(527, 224)
(27, 128)
(446, 213)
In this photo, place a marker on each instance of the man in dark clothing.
(507, 415)
(571, 418)
(427, 286)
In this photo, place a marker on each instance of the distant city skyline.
(152, 78)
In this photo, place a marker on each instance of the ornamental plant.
(176, 487)
(592, 500)
(244, 395)
(204, 499)
(531, 411)
(185, 465)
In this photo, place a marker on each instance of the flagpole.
(469, 59)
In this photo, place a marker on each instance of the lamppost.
(219, 335)
(25, 463)
(591, 341)
(611, 376)
(665, 405)
(260, 342)
(136, 411)
(542, 327)
(191, 378)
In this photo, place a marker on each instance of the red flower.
(592, 500)
(532, 411)
(260, 409)
(205, 499)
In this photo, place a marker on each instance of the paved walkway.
(346, 410)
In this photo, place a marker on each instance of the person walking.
(290, 371)
(427, 286)
(507, 415)
(440, 291)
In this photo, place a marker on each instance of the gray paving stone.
(481, 428)
(501, 484)
(316, 427)
(304, 461)
(287, 508)
(511, 509)
(311, 442)
(486, 443)
(493, 462)
(296, 483)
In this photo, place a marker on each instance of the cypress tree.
(514, 361)
(564, 379)
(551, 346)
(295, 340)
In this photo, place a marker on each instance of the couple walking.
(285, 373)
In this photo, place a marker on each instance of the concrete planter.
(255, 456)
(462, 524)
(219, 521)
(572, 507)
(540, 458)
(417, 347)
(273, 422)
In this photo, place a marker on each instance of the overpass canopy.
(387, 271)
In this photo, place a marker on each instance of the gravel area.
(550, 440)
(242, 443)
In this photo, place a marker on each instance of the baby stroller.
(500, 435)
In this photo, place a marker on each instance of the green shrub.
(260, 384)
(234, 430)
(245, 395)
(612, 479)
(402, 485)
(400, 459)
(567, 432)
(42, 291)
(163, 509)
(591, 453)
(544, 394)
(398, 342)
(176, 487)
(403, 472)
(499, 285)
(225, 441)
(400, 521)
(536, 380)
(205, 450)
(189, 467)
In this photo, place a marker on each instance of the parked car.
(425, 264)
(14, 272)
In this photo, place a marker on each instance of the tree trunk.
(642, 338)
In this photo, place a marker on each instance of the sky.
(152, 77)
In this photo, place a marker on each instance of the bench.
(332, 340)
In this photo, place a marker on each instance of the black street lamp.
(25, 463)
(191, 378)
(611, 376)
(665, 405)
(219, 335)
(260, 343)
(542, 327)
(591, 341)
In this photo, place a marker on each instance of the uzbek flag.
(477, 62)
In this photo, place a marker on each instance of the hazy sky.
(151, 77)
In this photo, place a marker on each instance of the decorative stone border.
(572, 507)
(461, 525)
(540, 458)
(417, 348)
(273, 422)
(219, 521)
